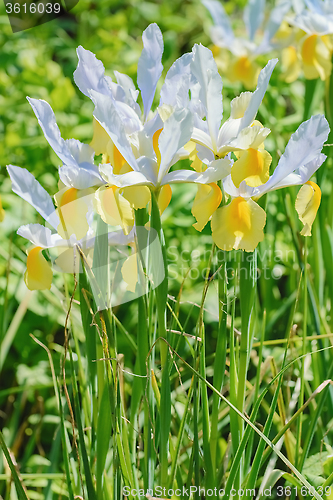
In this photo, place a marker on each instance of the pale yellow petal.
(137, 196)
(129, 272)
(238, 225)
(207, 200)
(113, 208)
(72, 211)
(251, 167)
(290, 64)
(38, 275)
(164, 197)
(307, 204)
(316, 56)
(100, 138)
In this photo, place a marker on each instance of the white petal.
(303, 174)
(218, 170)
(149, 65)
(25, 185)
(258, 94)
(41, 236)
(124, 180)
(303, 147)
(106, 114)
(274, 22)
(205, 71)
(89, 73)
(177, 81)
(220, 19)
(176, 133)
(253, 16)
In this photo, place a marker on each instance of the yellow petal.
(196, 163)
(290, 64)
(307, 204)
(207, 200)
(100, 138)
(316, 56)
(72, 211)
(164, 197)
(2, 212)
(238, 225)
(138, 196)
(113, 208)
(129, 272)
(245, 71)
(38, 275)
(251, 167)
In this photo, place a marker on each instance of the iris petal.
(238, 225)
(38, 275)
(307, 204)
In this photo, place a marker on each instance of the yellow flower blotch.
(156, 137)
(307, 204)
(251, 167)
(238, 225)
(316, 56)
(207, 200)
(38, 275)
(72, 212)
(114, 208)
(245, 71)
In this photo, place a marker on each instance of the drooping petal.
(38, 275)
(27, 187)
(238, 225)
(149, 65)
(207, 200)
(252, 167)
(307, 204)
(164, 197)
(303, 147)
(129, 272)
